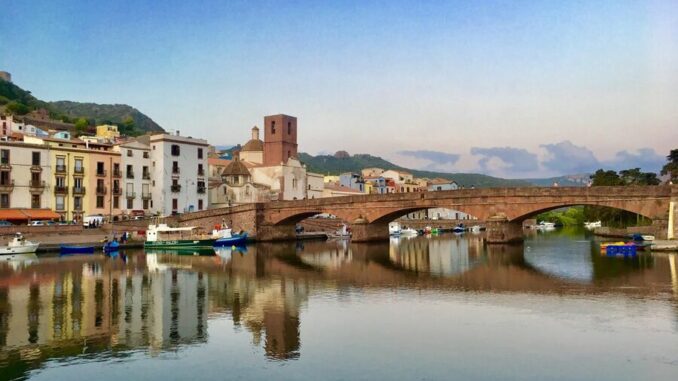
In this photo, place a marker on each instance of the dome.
(253, 145)
(236, 167)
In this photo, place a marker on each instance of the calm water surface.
(436, 308)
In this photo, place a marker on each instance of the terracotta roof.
(441, 181)
(253, 145)
(336, 187)
(218, 162)
(236, 167)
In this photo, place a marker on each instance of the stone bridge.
(503, 209)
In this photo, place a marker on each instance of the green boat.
(162, 236)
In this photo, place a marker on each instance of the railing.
(37, 184)
(101, 190)
(78, 190)
(176, 188)
(130, 194)
(77, 208)
(201, 172)
(36, 168)
(201, 190)
(60, 168)
(146, 196)
(117, 191)
(101, 173)
(175, 170)
(60, 189)
(7, 186)
(146, 176)
(130, 174)
(79, 170)
(117, 173)
(5, 166)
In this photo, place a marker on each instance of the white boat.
(394, 229)
(343, 233)
(475, 229)
(409, 232)
(546, 225)
(19, 245)
(592, 225)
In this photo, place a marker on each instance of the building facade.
(134, 178)
(179, 172)
(25, 176)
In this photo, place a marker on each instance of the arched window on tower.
(273, 127)
(289, 128)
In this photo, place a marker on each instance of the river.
(427, 308)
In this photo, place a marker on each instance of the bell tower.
(280, 139)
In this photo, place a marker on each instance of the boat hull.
(180, 244)
(238, 240)
(64, 249)
(24, 249)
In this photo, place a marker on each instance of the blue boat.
(233, 240)
(70, 249)
(112, 246)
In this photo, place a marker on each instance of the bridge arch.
(633, 207)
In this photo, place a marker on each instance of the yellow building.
(83, 177)
(108, 131)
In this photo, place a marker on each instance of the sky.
(508, 88)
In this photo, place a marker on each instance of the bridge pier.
(501, 230)
(275, 233)
(362, 231)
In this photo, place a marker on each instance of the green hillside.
(332, 165)
(17, 101)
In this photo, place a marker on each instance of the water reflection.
(53, 308)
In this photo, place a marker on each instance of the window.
(130, 171)
(175, 204)
(130, 203)
(145, 154)
(78, 165)
(144, 172)
(35, 201)
(36, 158)
(77, 203)
(35, 179)
(116, 202)
(200, 204)
(60, 181)
(4, 200)
(294, 183)
(4, 178)
(100, 201)
(289, 128)
(199, 153)
(289, 153)
(59, 203)
(201, 171)
(100, 167)
(175, 150)
(129, 153)
(153, 148)
(77, 183)
(273, 127)
(4, 156)
(175, 167)
(116, 169)
(145, 203)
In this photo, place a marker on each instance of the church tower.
(280, 139)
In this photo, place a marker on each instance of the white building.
(25, 176)
(287, 180)
(315, 184)
(135, 177)
(179, 173)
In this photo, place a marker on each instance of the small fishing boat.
(409, 232)
(394, 229)
(75, 249)
(343, 233)
(225, 237)
(19, 245)
(592, 225)
(111, 246)
(459, 228)
(544, 225)
(161, 236)
(475, 229)
(618, 249)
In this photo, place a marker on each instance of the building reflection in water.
(438, 256)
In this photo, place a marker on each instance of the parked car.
(5, 223)
(38, 223)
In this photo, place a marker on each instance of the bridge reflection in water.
(52, 308)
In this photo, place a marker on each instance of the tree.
(671, 168)
(605, 178)
(81, 125)
(635, 177)
(16, 108)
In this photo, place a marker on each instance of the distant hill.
(336, 164)
(579, 180)
(20, 102)
(107, 114)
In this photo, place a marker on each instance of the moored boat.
(409, 232)
(394, 229)
(161, 236)
(76, 249)
(225, 237)
(592, 225)
(112, 246)
(19, 245)
(459, 228)
(343, 233)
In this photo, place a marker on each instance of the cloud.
(567, 158)
(436, 157)
(647, 159)
(506, 159)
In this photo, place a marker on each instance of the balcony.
(101, 173)
(5, 166)
(201, 190)
(36, 168)
(146, 196)
(201, 172)
(176, 188)
(37, 185)
(117, 191)
(175, 170)
(60, 189)
(146, 176)
(60, 168)
(117, 173)
(101, 191)
(129, 194)
(7, 186)
(130, 174)
(78, 190)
